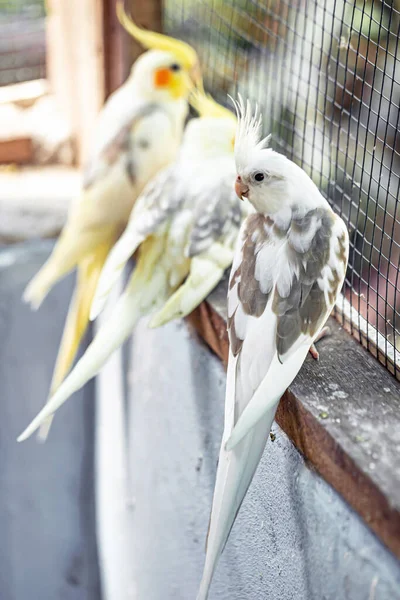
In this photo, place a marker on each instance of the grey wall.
(47, 519)
(294, 539)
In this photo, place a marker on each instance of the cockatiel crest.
(206, 106)
(249, 133)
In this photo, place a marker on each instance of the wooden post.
(114, 39)
(146, 14)
(121, 50)
(75, 64)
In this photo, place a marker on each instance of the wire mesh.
(327, 76)
(22, 41)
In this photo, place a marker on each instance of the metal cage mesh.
(22, 41)
(327, 76)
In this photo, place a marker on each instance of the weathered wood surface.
(17, 150)
(47, 513)
(343, 414)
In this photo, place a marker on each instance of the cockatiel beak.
(241, 189)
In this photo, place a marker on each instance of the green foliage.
(33, 8)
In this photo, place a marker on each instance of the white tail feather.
(268, 394)
(38, 288)
(113, 333)
(235, 472)
(113, 269)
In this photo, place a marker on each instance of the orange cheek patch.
(162, 77)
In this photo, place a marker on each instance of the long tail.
(113, 268)
(38, 288)
(206, 271)
(52, 271)
(146, 288)
(71, 248)
(77, 320)
(235, 472)
(266, 397)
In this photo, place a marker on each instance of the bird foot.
(323, 333)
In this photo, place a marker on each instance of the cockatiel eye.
(259, 177)
(175, 67)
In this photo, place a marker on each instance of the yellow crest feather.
(206, 106)
(157, 41)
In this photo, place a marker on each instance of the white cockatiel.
(139, 132)
(185, 225)
(289, 267)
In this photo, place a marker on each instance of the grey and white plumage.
(288, 269)
(184, 226)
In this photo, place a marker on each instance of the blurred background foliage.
(33, 8)
(327, 75)
(22, 41)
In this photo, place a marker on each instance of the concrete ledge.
(34, 201)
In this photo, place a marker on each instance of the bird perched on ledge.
(185, 226)
(138, 133)
(288, 270)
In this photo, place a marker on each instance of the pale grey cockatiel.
(185, 225)
(288, 269)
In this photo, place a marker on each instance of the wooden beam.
(16, 150)
(121, 50)
(75, 64)
(114, 41)
(146, 14)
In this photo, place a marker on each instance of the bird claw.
(314, 352)
(323, 333)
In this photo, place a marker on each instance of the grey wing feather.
(302, 296)
(306, 306)
(160, 199)
(217, 212)
(121, 143)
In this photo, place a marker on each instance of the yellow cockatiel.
(138, 133)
